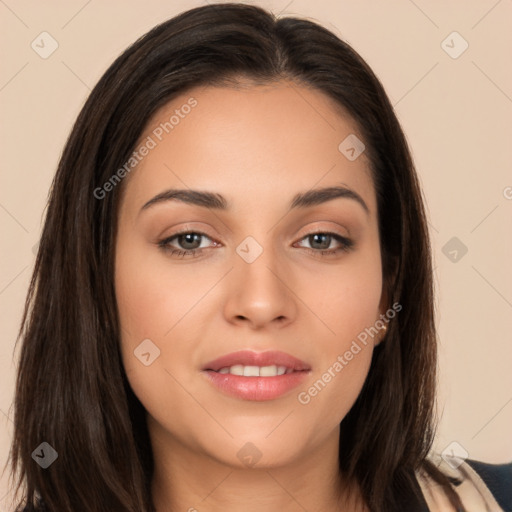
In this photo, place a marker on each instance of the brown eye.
(189, 241)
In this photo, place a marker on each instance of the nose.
(260, 294)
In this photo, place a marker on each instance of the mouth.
(256, 376)
(256, 371)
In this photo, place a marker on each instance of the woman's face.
(250, 275)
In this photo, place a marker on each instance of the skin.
(258, 146)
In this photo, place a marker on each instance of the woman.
(232, 304)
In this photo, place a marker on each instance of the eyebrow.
(218, 202)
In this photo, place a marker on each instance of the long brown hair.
(71, 389)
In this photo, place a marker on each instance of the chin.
(256, 452)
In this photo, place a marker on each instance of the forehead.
(249, 141)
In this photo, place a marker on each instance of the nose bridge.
(257, 266)
(259, 292)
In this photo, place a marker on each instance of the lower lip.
(256, 388)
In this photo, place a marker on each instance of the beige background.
(456, 113)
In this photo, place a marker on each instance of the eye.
(189, 243)
(321, 242)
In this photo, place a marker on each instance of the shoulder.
(479, 485)
(497, 478)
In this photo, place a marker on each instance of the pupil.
(325, 244)
(188, 239)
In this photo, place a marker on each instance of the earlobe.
(382, 335)
(383, 308)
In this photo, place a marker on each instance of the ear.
(383, 307)
(384, 300)
(390, 272)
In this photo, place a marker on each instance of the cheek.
(151, 297)
(147, 311)
(346, 298)
(347, 304)
(158, 302)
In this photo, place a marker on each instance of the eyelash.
(346, 244)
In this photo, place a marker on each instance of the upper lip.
(250, 358)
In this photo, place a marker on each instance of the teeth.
(251, 371)
(268, 371)
(238, 369)
(255, 371)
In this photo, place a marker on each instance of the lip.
(256, 388)
(250, 358)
